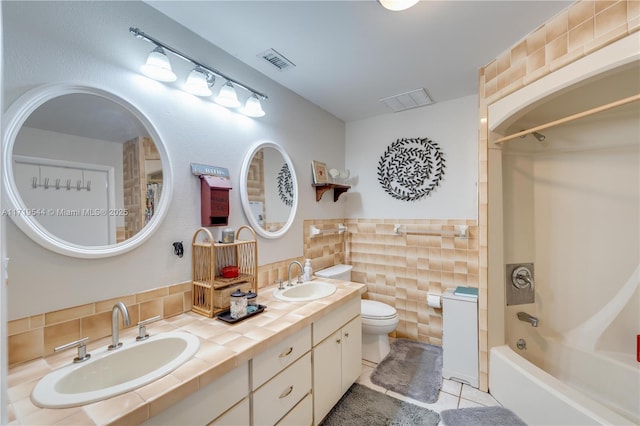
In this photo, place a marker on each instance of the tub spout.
(523, 316)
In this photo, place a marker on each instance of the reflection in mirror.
(87, 168)
(268, 189)
(105, 195)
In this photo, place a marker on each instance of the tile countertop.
(223, 347)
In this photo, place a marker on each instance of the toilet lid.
(377, 310)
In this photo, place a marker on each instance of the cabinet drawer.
(280, 394)
(275, 359)
(238, 415)
(209, 402)
(301, 415)
(334, 320)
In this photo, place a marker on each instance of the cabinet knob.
(338, 341)
(346, 334)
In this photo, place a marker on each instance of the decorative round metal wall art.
(411, 168)
(285, 185)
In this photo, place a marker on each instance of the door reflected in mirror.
(268, 189)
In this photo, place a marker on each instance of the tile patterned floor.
(452, 394)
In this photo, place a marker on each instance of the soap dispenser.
(308, 271)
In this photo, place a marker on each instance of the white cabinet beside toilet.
(337, 357)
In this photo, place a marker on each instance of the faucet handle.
(82, 349)
(142, 327)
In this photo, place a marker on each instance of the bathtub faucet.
(523, 316)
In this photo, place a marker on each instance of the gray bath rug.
(412, 369)
(362, 406)
(481, 416)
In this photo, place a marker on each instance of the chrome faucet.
(115, 332)
(523, 316)
(295, 262)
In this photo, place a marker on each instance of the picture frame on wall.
(320, 175)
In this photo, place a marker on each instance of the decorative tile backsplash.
(36, 336)
(400, 269)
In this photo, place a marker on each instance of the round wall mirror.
(269, 189)
(85, 172)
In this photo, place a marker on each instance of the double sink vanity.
(288, 365)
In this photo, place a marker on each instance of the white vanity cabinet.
(280, 379)
(337, 356)
(294, 382)
(222, 402)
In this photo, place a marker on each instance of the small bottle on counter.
(252, 302)
(308, 270)
(238, 308)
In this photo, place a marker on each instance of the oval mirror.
(85, 172)
(268, 189)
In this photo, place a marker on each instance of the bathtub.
(567, 393)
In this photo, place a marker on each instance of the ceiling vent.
(276, 59)
(415, 98)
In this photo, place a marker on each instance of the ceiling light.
(396, 5)
(227, 96)
(158, 66)
(199, 82)
(253, 107)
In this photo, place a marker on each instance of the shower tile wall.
(579, 30)
(583, 28)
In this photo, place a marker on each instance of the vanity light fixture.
(228, 96)
(158, 66)
(201, 79)
(199, 82)
(253, 107)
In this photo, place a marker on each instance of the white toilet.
(378, 319)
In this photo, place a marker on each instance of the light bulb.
(227, 96)
(198, 83)
(396, 5)
(158, 66)
(253, 107)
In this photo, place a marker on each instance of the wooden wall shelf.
(338, 190)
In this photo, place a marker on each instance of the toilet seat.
(373, 310)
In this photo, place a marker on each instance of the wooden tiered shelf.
(211, 291)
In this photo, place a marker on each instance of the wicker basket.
(211, 291)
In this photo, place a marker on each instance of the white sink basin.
(311, 290)
(110, 373)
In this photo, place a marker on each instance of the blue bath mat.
(481, 416)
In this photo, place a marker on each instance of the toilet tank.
(337, 272)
